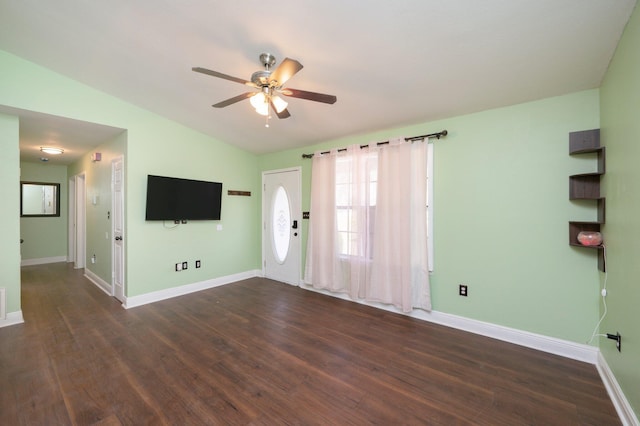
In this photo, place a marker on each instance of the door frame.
(71, 227)
(77, 220)
(297, 208)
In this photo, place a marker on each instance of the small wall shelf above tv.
(586, 186)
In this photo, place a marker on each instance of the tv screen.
(170, 198)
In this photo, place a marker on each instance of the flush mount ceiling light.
(51, 151)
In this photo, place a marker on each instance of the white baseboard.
(43, 260)
(13, 318)
(565, 348)
(99, 282)
(620, 402)
(156, 296)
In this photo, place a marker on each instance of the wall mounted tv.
(170, 198)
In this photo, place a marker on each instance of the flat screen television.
(170, 198)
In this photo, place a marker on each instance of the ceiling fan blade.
(224, 76)
(282, 114)
(283, 72)
(233, 100)
(311, 96)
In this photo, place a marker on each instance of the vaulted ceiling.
(390, 64)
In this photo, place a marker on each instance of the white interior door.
(117, 208)
(281, 213)
(80, 222)
(71, 254)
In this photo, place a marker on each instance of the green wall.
(97, 175)
(155, 145)
(620, 111)
(45, 237)
(501, 213)
(10, 211)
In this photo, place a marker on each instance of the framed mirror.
(39, 199)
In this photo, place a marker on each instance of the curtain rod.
(437, 135)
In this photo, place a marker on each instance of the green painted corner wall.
(501, 213)
(620, 109)
(10, 211)
(45, 237)
(154, 145)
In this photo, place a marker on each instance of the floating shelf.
(586, 186)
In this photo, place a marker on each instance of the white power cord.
(603, 293)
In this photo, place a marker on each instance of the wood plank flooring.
(258, 352)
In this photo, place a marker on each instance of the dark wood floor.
(263, 353)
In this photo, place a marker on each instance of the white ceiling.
(390, 64)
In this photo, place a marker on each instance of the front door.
(281, 228)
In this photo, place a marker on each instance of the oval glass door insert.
(281, 226)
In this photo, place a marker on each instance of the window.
(355, 213)
(355, 204)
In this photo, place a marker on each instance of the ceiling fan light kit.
(271, 85)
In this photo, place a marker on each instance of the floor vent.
(3, 304)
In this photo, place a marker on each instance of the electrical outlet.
(618, 338)
(184, 265)
(178, 267)
(462, 290)
(198, 264)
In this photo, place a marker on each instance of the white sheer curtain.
(367, 229)
(338, 252)
(399, 273)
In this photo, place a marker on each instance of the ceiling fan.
(270, 82)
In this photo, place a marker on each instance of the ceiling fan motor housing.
(261, 78)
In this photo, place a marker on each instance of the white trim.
(565, 348)
(156, 296)
(99, 282)
(71, 220)
(620, 402)
(80, 215)
(43, 260)
(13, 318)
